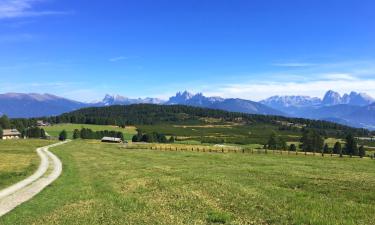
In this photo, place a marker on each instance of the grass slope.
(104, 184)
(56, 129)
(230, 133)
(18, 159)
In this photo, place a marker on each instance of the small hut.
(111, 140)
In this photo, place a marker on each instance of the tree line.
(152, 137)
(86, 133)
(148, 114)
(312, 141)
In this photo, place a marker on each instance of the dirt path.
(49, 170)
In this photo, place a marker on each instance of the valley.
(103, 183)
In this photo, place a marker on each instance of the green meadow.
(18, 159)
(56, 129)
(230, 133)
(108, 184)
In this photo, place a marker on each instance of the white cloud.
(23, 8)
(259, 91)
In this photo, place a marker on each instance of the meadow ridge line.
(26, 189)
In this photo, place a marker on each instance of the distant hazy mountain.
(35, 105)
(230, 104)
(332, 98)
(354, 98)
(120, 100)
(354, 109)
(349, 109)
(291, 105)
(363, 117)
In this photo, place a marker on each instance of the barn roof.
(11, 132)
(111, 139)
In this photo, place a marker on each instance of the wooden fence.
(211, 149)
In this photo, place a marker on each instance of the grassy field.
(231, 133)
(56, 129)
(105, 184)
(18, 159)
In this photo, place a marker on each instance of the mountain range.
(19, 105)
(353, 109)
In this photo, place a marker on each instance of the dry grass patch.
(18, 159)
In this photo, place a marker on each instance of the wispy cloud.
(119, 58)
(338, 76)
(294, 64)
(16, 38)
(342, 83)
(23, 8)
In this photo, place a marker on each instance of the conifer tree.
(362, 151)
(63, 135)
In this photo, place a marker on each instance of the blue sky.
(238, 48)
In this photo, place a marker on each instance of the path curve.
(26, 189)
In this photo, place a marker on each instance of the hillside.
(19, 105)
(148, 114)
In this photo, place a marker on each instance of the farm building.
(41, 123)
(111, 140)
(11, 134)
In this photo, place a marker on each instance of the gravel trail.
(49, 170)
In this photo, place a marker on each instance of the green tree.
(325, 149)
(362, 151)
(42, 133)
(292, 148)
(351, 146)
(337, 149)
(312, 141)
(171, 139)
(272, 141)
(281, 144)
(1, 133)
(120, 135)
(63, 135)
(5, 122)
(76, 134)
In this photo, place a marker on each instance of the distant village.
(9, 134)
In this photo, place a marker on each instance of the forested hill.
(149, 114)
